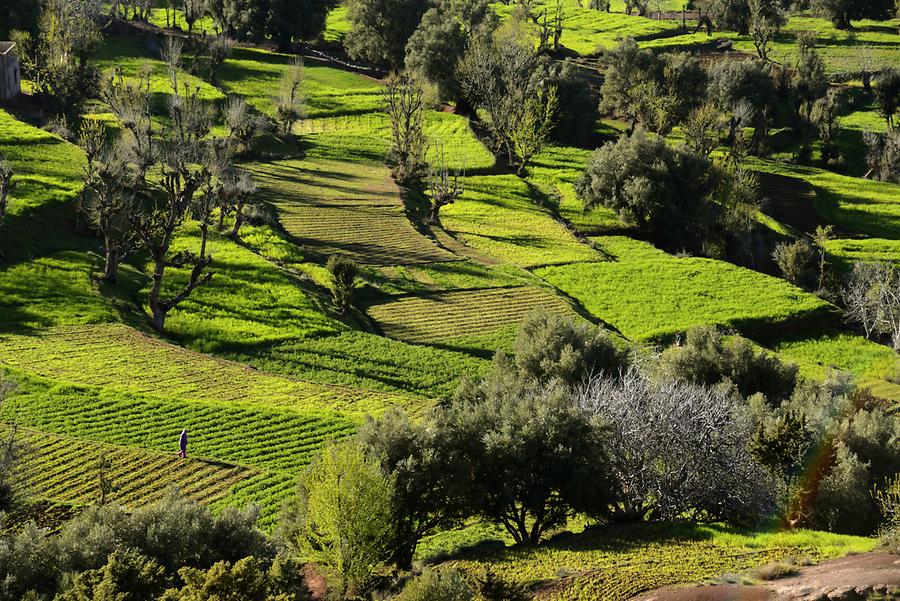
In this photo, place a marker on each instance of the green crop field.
(119, 357)
(648, 294)
(499, 216)
(334, 207)
(65, 469)
(446, 317)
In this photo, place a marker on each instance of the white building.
(10, 79)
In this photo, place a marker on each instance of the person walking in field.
(182, 444)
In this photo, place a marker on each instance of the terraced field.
(66, 470)
(648, 294)
(334, 207)
(119, 357)
(448, 316)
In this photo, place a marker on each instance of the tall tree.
(842, 12)
(380, 30)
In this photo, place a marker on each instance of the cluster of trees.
(141, 185)
(746, 16)
(175, 550)
(570, 424)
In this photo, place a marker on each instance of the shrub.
(342, 517)
(552, 347)
(343, 281)
(679, 450)
(709, 357)
(775, 570)
(798, 262)
(245, 580)
(437, 585)
(843, 502)
(126, 575)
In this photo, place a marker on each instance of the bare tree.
(7, 185)
(872, 299)
(243, 123)
(446, 186)
(185, 168)
(238, 189)
(766, 20)
(109, 202)
(405, 106)
(679, 449)
(289, 102)
(130, 101)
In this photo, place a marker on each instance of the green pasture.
(647, 294)
(818, 353)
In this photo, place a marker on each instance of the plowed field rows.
(117, 356)
(447, 316)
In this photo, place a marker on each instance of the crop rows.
(67, 470)
(271, 439)
(346, 208)
(445, 316)
(119, 357)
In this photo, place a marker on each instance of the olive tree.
(679, 450)
(765, 21)
(872, 299)
(842, 12)
(380, 29)
(745, 91)
(446, 185)
(528, 459)
(883, 155)
(887, 94)
(290, 99)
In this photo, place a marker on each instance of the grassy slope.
(646, 294)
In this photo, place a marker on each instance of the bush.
(437, 585)
(552, 347)
(126, 575)
(681, 199)
(709, 357)
(343, 281)
(798, 261)
(775, 570)
(844, 503)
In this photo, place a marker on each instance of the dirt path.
(852, 578)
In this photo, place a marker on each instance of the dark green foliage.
(527, 460)
(437, 585)
(577, 103)
(887, 94)
(442, 38)
(729, 14)
(343, 281)
(282, 21)
(494, 588)
(798, 262)
(381, 29)
(126, 575)
(656, 91)
(682, 200)
(555, 348)
(424, 495)
(745, 90)
(841, 12)
(709, 357)
(21, 15)
(245, 580)
(780, 442)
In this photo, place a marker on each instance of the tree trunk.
(156, 309)
(238, 222)
(111, 269)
